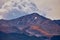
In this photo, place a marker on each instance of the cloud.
(2, 13)
(16, 8)
(29, 6)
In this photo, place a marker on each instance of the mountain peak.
(35, 14)
(32, 24)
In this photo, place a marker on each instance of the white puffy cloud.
(47, 8)
(14, 6)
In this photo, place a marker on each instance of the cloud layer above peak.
(47, 8)
(13, 9)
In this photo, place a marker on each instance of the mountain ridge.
(32, 24)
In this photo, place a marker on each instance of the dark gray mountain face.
(17, 36)
(57, 21)
(32, 25)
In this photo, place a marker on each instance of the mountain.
(31, 25)
(17, 36)
(57, 21)
(56, 37)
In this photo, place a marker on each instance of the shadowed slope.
(57, 21)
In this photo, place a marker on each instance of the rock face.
(17, 36)
(57, 21)
(32, 25)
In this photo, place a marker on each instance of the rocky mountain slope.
(32, 25)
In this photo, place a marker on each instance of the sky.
(51, 8)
